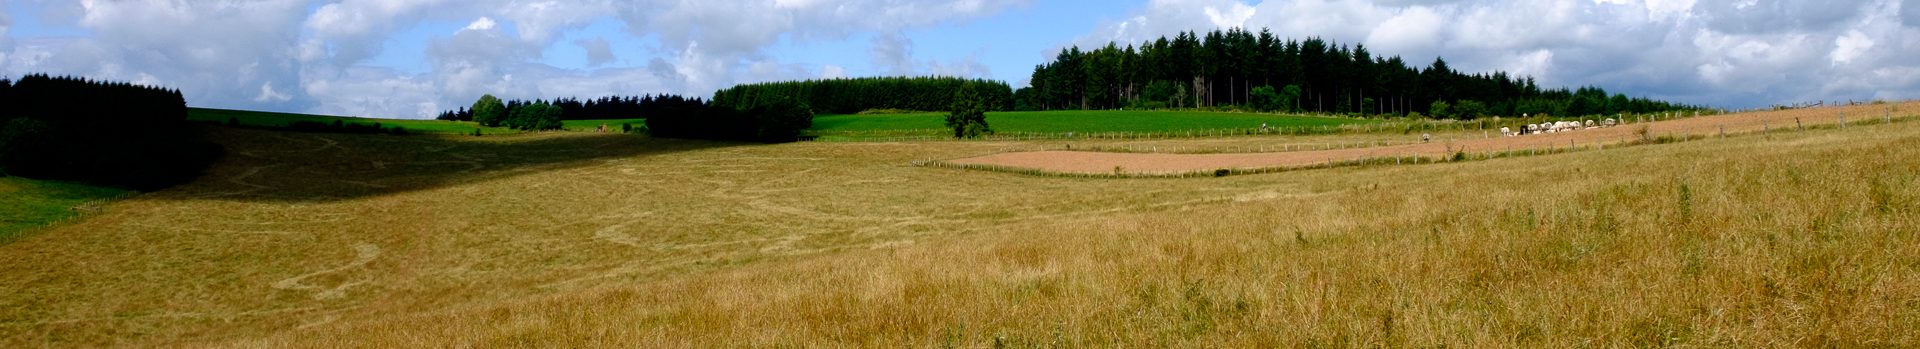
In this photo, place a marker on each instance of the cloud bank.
(318, 56)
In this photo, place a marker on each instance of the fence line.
(1680, 136)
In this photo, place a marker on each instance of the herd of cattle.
(1558, 126)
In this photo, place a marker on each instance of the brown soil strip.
(1136, 163)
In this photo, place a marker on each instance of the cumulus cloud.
(1725, 53)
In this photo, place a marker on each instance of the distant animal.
(1504, 131)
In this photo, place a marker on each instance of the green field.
(26, 204)
(272, 119)
(1096, 121)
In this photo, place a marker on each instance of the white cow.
(1591, 124)
(1609, 123)
(1504, 131)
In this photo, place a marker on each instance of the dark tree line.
(105, 133)
(769, 120)
(610, 107)
(847, 96)
(1226, 68)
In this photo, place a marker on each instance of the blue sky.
(412, 58)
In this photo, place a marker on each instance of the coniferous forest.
(106, 133)
(1241, 69)
(848, 96)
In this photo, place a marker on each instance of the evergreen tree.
(968, 115)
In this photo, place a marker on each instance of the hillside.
(584, 239)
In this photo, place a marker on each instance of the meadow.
(567, 239)
(27, 204)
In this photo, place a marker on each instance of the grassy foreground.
(569, 239)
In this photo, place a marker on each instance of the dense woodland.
(105, 133)
(771, 120)
(610, 107)
(848, 96)
(1230, 68)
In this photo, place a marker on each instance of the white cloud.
(482, 24)
(1848, 47)
(833, 72)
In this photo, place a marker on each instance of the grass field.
(568, 239)
(1098, 121)
(27, 204)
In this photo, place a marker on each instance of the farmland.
(1098, 121)
(1803, 238)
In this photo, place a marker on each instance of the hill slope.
(565, 239)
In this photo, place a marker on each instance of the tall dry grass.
(1801, 239)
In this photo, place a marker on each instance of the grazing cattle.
(1609, 123)
(1591, 124)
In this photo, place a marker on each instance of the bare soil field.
(1093, 162)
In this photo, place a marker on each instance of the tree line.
(105, 133)
(671, 116)
(1236, 68)
(848, 96)
(571, 108)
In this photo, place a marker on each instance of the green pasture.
(26, 204)
(1092, 121)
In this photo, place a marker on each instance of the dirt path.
(1149, 163)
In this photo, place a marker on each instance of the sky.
(415, 58)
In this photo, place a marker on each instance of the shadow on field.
(278, 166)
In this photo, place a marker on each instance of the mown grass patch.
(26, 204)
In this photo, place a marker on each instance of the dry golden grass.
(1801, 239)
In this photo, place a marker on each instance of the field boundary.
(1454, 155)
(1376, 126)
